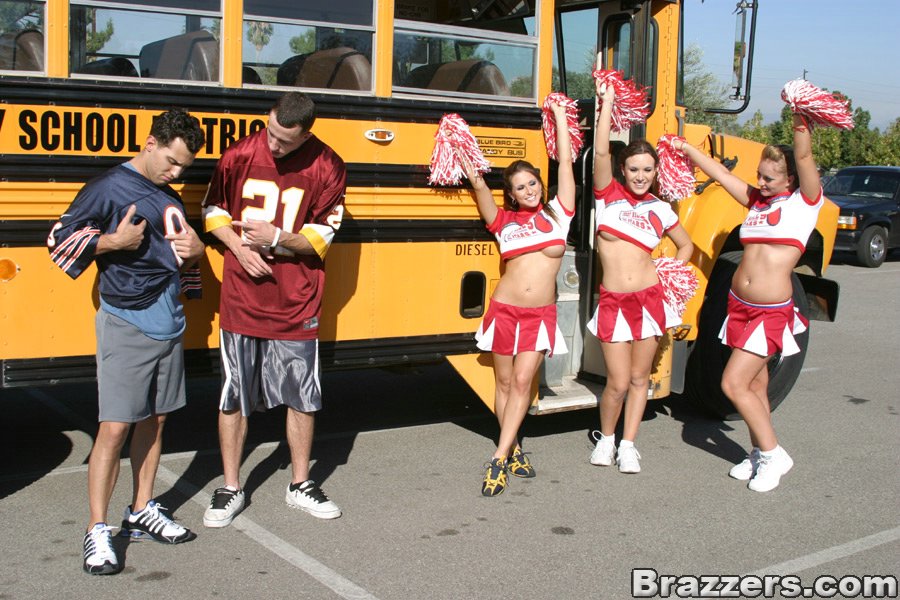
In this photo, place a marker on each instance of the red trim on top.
(624, 238)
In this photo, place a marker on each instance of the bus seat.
(340, 68)
(249, 75)
(22, 50)
(191, 56)
(474, 76)
(117, 66)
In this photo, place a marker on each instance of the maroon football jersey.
(303, 193)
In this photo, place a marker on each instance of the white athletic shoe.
(770, 469)
(224, 506)
(746, 469)
(308, 496)
(629, 460)
(604, 452)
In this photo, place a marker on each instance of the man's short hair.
(295, 109)
(177, 123)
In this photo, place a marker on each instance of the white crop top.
(520, 232)
(640, 220)
(788, 219)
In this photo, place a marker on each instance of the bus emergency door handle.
(380, 135)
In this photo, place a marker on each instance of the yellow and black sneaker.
(519, 465)
(494, 477)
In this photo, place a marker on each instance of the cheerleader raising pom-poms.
(520, 324)
(633, 312)
(452, 142)
(632, 106)
(761, 320)
(549, 124)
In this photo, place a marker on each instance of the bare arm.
(810, 184)
(683, 243)
(565, 190)
(127, 235)
(603, 173)
(733, 184)
(248, 257)
(484, 200)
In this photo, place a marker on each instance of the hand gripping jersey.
(640, 220)
(522, 231)
(302, 193)
(787, 219)
(128, 279)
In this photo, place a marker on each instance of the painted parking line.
(340, 585)
(792, 567)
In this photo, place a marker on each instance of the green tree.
(887, 148)
(96, 39)
(702, 90)
(304, 43)
(259, 33)
(755, 130)
(15, 16)
(827, 147)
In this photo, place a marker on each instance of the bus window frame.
(454, 33)
(43, 32)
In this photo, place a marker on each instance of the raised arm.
(565, 180)
(809, 184)
(603, 171)
(734, 185)
(484, 200)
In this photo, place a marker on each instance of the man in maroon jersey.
(275, 201)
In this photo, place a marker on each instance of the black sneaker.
(494, 477)
(154, 523)
(99, 555)
(308, 496)
(223, 507)
(519, 465)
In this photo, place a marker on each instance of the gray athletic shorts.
(137, 376)
(258, 373)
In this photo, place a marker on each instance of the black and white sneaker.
(99, 556)
(223, 507)
(154, 523)
(309, 496)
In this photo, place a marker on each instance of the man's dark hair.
(295, 109)
(177, 123)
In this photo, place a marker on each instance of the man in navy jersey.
(275, 201)
(132, 224)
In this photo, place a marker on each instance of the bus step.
(572, 394)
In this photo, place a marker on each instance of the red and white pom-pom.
(817, 106)
(675, 173)
(453, 137)
(630, 106)
(678, 280)
(576, 137)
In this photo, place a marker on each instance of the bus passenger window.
(442, 47)
(154, 42)
(22, 36)
(327, 46)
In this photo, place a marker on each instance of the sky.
(853, 47)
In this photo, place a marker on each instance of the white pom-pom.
(678, 280)
(676, 171)
(630, 106)
(817, 106)
(576, 137)
(453, 135)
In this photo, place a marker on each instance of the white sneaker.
(223, 507)
(629, 460)
(604, 452)
(154, 522)
(745, 469)
(309, 496)
(770, 469)
(99, 556)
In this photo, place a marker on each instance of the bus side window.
(474, 76)
(22, 50)
(335, 68)
(191, 56)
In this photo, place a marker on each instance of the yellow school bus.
(412, 268)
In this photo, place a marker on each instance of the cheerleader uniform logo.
(649, 223)
(539, 225)
(762, 219)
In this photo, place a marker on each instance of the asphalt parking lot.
(401, 452)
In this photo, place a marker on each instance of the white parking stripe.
(792, 567)
(339, 585)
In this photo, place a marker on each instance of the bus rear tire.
(703, 381)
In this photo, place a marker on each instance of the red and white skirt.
(509, 330)
(627, 316)
(762, 329)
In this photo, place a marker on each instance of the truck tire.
(872, 248)
(708, 357)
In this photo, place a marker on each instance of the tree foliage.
(833, 148)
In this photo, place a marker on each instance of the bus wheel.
(703, 377)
